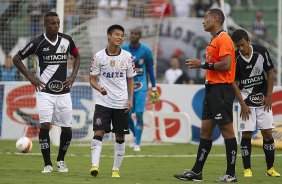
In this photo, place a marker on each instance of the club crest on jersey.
(257, 71)
(112, 63)
(121, 64)
(141, 61)
(62, 48)
(56, 86)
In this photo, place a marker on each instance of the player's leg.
(140, 97)
(45, 106)
(63, 118)
(246, 127)
(222, 97)
(120, 128)
(265, 124)
(101, 125)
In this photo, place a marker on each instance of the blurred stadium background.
(167, 28)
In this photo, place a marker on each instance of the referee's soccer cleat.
(115, 174)
(62, 166)
(94, 171)
(227, 178)
(272, 172)
(248, 173)
(47, 169)
(189, 175)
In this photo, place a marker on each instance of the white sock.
(119, 154)
(96, 147)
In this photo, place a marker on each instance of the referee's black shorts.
(218, 103)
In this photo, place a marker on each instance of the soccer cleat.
(272, 172)
(132, 142)
(47, 169)
(248, 173)
(137, 148)
(115, 174)
(189, 175)
(94, 171)
(227, 178)
(62, 166)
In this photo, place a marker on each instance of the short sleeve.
(73, 48)
(131, 71)
(95, 66)
(225, 46)
(28, 50)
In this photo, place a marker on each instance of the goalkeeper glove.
(154, 96)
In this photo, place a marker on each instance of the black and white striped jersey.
(251, 75)
(50, 60)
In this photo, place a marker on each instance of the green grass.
(154, 164)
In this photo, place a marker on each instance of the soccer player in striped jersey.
(50, 52)
(254, 81)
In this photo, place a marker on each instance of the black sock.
(202, 155)
(65, 140)
(231, 154)
(44, 142)
(246, 150)
(269, 151)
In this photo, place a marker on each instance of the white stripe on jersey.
(113, 72)
(63, 46)
(49, 72)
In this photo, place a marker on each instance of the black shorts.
(104, 117)
(218, 103)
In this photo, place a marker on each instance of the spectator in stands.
(112, 8)
(227, 7)
(249, 2)
(8, 72)
(201, 6)
(138, 8)
(88, 10)
(35, 11)
(259, 27)
(182, 7)
(71, 17)
(176, 75)
(160, 8)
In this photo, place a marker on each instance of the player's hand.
(129, 106)
(39, 85)
(193, 63)
(154, 96)
(245, 112)
(69, 82)
(267, 103)
(103, 91)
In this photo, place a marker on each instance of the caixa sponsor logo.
(56, 86)
(257, 99)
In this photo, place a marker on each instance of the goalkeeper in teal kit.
(143, 61)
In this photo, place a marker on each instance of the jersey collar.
(52, 43)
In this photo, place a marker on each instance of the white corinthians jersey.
(112, 72)
(50, 60)
(251, 75)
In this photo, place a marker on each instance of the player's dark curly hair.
(113, 27)
(239, 34)
(218, 13)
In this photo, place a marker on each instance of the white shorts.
(258, 119)
(56, 109)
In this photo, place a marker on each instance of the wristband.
(207, 66)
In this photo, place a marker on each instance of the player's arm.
(245, 110)
(95, 85)
(270, 83)
(130, 86)
(224, 65)
(154, 96)
(39, 85)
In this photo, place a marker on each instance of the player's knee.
(139, 117)
(267, 134)
(247, 134)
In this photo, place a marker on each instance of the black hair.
(218, 12)
(113, 27)
(239, 34)
(50, 14)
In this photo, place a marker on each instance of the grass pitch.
(153, 165)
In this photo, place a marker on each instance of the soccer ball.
(24, 145)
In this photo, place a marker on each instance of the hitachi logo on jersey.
(113, 74)
(252, 80)
(57, 57)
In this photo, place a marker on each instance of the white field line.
(134, 156)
